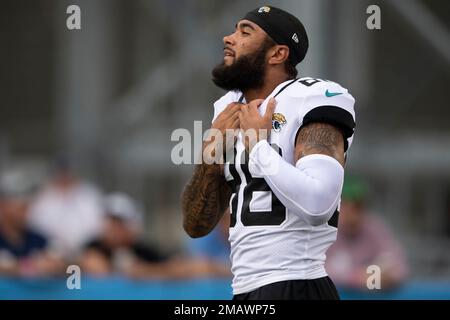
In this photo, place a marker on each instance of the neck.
(271, 81)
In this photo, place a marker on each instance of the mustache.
(229, 49)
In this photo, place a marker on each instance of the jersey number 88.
(274, 217)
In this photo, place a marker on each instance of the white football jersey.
(268, 242)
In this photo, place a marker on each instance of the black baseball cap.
(284, 28)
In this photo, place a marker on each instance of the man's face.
(244, 62)
(245, 40)
(117, 233)
(13, 211)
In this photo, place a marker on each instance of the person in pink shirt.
(363, 240)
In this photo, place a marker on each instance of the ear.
(278, 54)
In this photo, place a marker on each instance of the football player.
(282, 184)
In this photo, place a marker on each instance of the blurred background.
(86, 118)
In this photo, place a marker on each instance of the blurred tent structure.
(111, 94)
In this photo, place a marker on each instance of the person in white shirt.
(68, 211)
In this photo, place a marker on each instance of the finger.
(231, 105)
(241, 119)
(244, 109)
(231, 110)
(235, 115)
(270, 108)
(254, 105)
(236, 107)
(233, 119)
(256, 102)
(236, 124)
(253, 109)
(236, 110)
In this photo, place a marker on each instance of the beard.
(246, 72)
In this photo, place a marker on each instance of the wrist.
(263, 143)
(212, 154)
(253, 140)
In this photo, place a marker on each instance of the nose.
(228, 40)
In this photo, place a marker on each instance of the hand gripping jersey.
(268, 242)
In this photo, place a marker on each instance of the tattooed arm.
(320, 138)
(204, 200)
(207, 195)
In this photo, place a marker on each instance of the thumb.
(270, 108)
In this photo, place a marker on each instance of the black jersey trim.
(334, 220)
(333, 115)
(287, 85)
(241, 98)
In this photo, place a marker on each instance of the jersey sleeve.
(328, 102)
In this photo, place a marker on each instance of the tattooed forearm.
(204, 200)
(320, 138)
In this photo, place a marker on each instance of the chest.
(285, 124)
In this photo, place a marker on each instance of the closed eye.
(244, 27)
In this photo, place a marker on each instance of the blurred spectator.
(23, 252)
(67, 211)
(214, 249)
(119, 249)
(363, 240)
